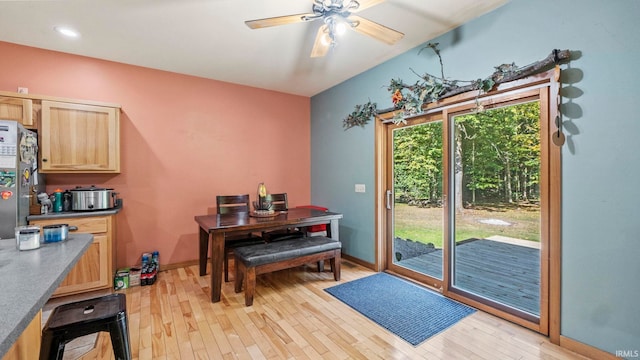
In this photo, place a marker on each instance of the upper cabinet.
(20, 110)
(79, 138)
(76, 136)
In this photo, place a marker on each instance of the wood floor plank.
(221, 339)
(240, 329)
(181, 333)
(310, 339)
(294, 318)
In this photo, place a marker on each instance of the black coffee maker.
(66, 201)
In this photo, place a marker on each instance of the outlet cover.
(360, 188)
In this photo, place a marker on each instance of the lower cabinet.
(94, 271)
(27, 346)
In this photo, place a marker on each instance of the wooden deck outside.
(507, 273)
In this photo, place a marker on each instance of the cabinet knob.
(44, 160)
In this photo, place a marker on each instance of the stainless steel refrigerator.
(18, 175)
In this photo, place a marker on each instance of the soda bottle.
(155, 259)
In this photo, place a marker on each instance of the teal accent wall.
(601, 159)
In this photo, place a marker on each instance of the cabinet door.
(95, 268)
(79, 138)
(28, 344)
(20, 110)
(91, 272)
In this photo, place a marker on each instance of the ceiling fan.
(337, 16)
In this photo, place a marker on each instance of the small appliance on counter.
(92, 198)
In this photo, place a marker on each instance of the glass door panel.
(417, 198)
(495, 207)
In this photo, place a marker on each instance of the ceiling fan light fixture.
(341, 28)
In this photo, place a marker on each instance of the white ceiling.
(208, 38)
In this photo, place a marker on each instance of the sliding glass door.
(495, 207)
(416, 198)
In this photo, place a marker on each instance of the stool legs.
(119, 333)
(71, 321)
(52, 347)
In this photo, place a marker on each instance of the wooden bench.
(254, 260)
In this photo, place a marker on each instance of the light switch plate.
(360, 188)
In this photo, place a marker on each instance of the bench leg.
(250, 285)
(240, 269)
(335, 266)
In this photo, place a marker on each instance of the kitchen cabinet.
(79, 138)
(94, 271)
(27, 346)
(17, 109)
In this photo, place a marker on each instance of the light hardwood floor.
(293, 318)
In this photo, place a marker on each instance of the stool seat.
(73, 320)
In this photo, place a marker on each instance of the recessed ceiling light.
(68, 32)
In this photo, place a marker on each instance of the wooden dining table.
(217, 227)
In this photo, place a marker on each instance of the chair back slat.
(279, 201)
(232, 204)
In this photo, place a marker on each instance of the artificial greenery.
(408, 99)
(361, 115)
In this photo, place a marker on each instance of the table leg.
(334, 233)
(217, 258)
(203, 252)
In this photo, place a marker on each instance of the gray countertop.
(28, 278)
(76, 214)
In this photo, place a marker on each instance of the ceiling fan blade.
(365, 4)
(276, 21)
(319, 48)
(375, 30)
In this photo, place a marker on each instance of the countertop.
(28, 278)
(77, 214)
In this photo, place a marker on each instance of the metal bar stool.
(70, 321)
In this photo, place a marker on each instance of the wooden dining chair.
(235, 204)
(280, 202)
(232, 204)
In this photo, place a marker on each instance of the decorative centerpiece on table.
(263, 206)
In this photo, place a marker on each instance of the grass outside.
(426, 224)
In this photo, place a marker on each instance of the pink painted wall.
(183, 141)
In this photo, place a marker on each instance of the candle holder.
(263, 206)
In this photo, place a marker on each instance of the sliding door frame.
(547, 86)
